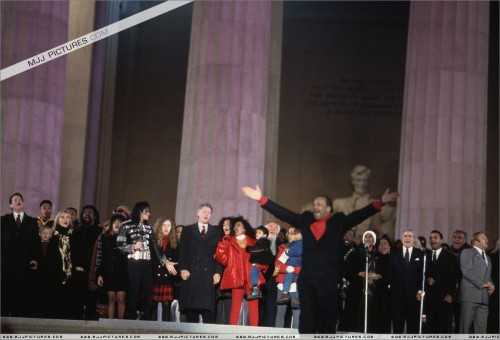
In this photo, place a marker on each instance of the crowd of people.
(312, 275)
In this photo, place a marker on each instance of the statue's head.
(359, 179)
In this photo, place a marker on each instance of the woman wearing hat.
(355, 271)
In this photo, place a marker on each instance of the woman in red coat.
(231, 253)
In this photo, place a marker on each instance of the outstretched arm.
(275, 209)
(358, 216)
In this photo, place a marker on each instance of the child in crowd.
(292, 259)
(45, 218)
(164, 277)
(260, 253)
(42, 283)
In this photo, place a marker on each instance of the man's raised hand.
(388, 197)
(252, 193)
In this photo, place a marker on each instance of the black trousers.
(140, 276)
(405, 309)
(318, 305)
(437, 314)
(270, 308)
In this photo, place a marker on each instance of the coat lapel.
(478, 255)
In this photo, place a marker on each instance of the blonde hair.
(58, 216)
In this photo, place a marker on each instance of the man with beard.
(88, 232)
(322, 232)
(19, 240)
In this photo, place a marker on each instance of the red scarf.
(164, 242)
(318, 227)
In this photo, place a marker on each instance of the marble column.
(32, 102)
(230, 108)
(443, 149)
(83, 91)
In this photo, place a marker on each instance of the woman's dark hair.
(137, 209)
(220, 225)
(387, 238)
(248, 228)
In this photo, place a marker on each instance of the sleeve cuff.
(263, 200)
(377, 204)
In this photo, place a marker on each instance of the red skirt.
(163, 293)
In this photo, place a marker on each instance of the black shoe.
(283, 298)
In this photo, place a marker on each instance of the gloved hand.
(289, 269)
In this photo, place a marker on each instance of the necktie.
(434, 256)
(18, 221)
(407, 257)
(203, 231)
(484, 257)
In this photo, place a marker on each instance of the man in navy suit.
(441, 282)
(476, 285)
(322, 231)
(19, 240)
(200, 273)
(405, 280)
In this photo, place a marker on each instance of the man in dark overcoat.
(19, 257)
(405, 280)
(200, 273)
(441, 282)
(322, 232)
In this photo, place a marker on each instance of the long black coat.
(355, 301)
(445, 274)
(113, 266)
(18, 250)
(67, 293)
(196, 254)
(161, 275)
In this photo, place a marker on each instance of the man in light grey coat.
(476, 285)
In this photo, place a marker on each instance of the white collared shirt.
(201, 225)
(438, 251)
(21, 216)
(481, 253)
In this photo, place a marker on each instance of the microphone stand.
(423, 293)
(366, 288)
